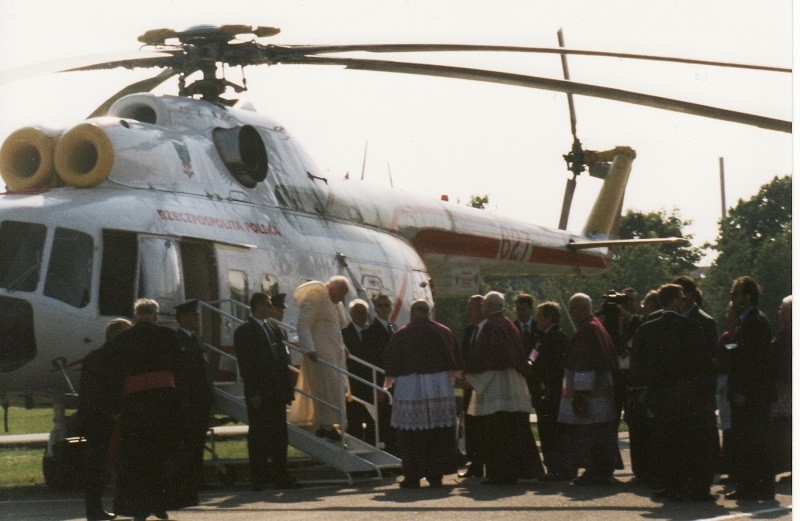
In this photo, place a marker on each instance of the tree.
(755, 239)
(640, 267)
(478, 201)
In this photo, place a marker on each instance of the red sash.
(148, 381)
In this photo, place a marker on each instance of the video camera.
(612, 300)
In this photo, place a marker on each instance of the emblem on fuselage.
(185, 158)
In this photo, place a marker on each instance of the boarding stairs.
(350, 455)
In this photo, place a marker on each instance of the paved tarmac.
(457, 500)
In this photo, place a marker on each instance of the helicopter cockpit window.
(69, 274)
(21, 246)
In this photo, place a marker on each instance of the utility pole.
(722, 186)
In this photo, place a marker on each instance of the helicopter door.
(200, 282)
(235, 287)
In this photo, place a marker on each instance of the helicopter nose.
(17, 341)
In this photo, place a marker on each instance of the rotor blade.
(572, 119)
(569, 191)
(430, 47)
(538, 82)
(140, 86)
(97, 61)
(625, 242)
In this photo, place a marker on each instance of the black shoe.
(585, 481)
(496, 481)
(660, 494)
(409, 483)
(258, 487)
(473, 471)
(554, 477)
(434, 482)
(288, 484)
(701, 497)
(162, 514)
(101, 516)
(738, 495)
(332, 434)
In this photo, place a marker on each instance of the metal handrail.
(338, 369)
(211, 307)
(375, 369)
(60, 363)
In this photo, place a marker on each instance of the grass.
(29, 421)
(24, 466)
(21, 467)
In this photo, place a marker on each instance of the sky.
(462, 138)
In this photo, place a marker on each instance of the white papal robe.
(319, 329)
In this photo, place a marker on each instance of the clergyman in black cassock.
(146, 358)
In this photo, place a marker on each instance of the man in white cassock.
(319, 329)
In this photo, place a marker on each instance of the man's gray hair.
(339, 280)
(145, 307)
(581, 301)
(495, 299)
(421, 308)
(115, 327)
(357, 302)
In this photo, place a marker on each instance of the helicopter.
(198, 196)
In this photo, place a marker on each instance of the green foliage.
(674, 258)
(756, 239)
(640, 267)
(478, 201)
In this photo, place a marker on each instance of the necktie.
(390, 328)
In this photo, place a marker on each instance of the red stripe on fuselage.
(444, 242)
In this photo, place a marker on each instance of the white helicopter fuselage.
(169, 221)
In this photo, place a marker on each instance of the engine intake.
(84, 156)
(26, 158)
(243, 152)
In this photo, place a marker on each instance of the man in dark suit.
(98, 408)
(264, 367)
(681, 387)
(376, 338)
(359, 422)
(474, 437)
(194, 381)
(751, 389)
(277, 311)
(693, 299)
(523, 306)
(547, 371)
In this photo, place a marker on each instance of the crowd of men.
(658, 365)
